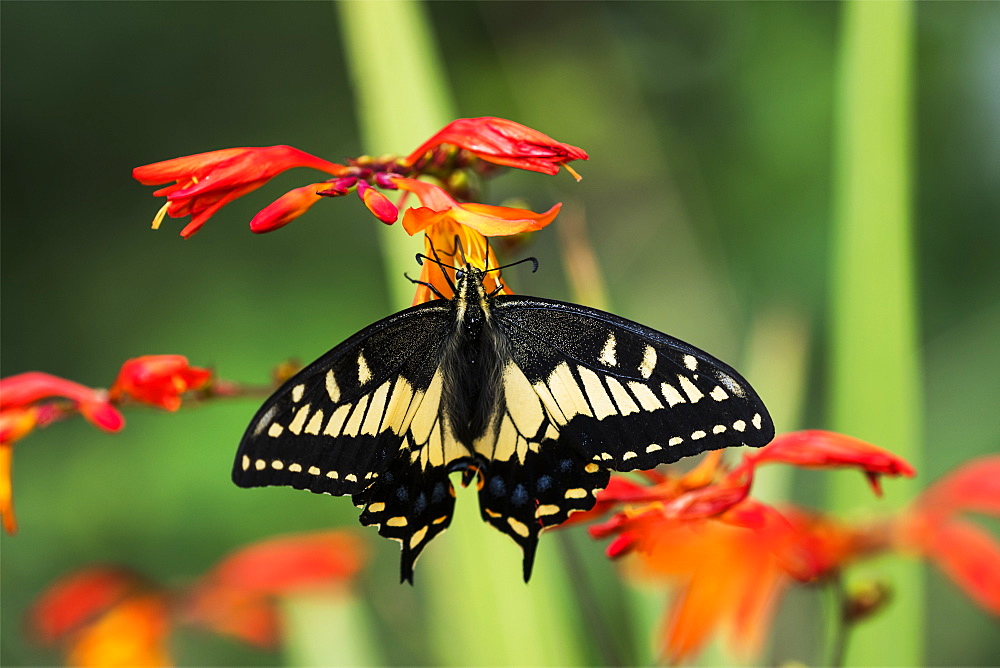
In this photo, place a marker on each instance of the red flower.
(107, 616)
(206, 182)
(730, 557)
(34, 386)
(287, 208)
(158, 380)
(104, 617)
(935, 528)
(504, 142)
(377, 203)
(827, 449)
(35, 399)
(238, 596)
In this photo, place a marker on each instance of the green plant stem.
(875, 374)
(590, 606)
(401, 98)
(841, 626)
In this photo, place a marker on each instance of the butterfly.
(536, 400)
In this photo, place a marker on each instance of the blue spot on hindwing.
(420, 505)
(497, 486)
(438, 494)
(520, 495)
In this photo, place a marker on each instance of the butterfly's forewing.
(626, 396)
(345, 424)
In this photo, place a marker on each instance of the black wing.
(625, 395)
(587, 391)
(364, 419)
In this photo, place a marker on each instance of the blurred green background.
(708, 199)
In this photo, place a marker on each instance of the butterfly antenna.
(532, 260)
(437, 260)
(424, 283)
(460, 251)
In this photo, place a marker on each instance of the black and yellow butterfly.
(536, 399)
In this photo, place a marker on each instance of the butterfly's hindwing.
(338, 424)
(409, 504)
(623, 395)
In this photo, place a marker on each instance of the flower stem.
(875, 389)
(841, 625)
(589, 605)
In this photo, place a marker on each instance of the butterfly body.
(535, 399)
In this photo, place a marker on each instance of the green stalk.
(401, 99)
(875, 374)
(479, 610)
(327, 630)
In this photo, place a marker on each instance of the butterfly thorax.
(472, 361)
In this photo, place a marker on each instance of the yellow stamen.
(158, 218)
(573, 172)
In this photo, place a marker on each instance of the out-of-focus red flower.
(108, 616)
(35, 399)
(34, 387)
(158, 380)
(936, 528)
(504, 142)
(104, 617)
(206, 182)
(826, 449)
(238, 596)
(729, 556)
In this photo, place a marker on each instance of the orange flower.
(730, 557)
(158, 380)
(104, 617)
(238, 596)
(206, 182)
(486, 219)
(503, 142)
(449, 225)
(108, 616)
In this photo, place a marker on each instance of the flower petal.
(77, 598)
(969, 556)
(378, 203)
(287, 208)
(291, 563)
(975, 487)
(158, 380)
(827, 449)
(503, 142)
